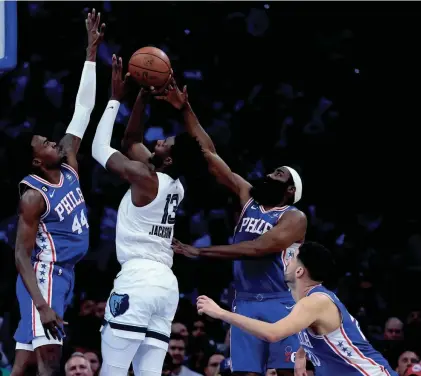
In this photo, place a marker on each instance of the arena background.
(330, 88)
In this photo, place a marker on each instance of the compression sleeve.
(85, 101)
(101, 149)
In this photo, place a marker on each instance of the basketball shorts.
(143, 302)
(251, 354)
(56, 284)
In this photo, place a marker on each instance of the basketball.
(150, 66)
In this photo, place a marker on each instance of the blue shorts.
(251, 354)
(56, 285)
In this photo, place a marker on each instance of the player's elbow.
(272, 337)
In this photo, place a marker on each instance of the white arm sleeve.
(85, 101)
(101, 149)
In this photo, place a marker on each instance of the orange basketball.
(150, 66)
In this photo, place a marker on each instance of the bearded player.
(329, 336)
(145, 295)
(53, 232)
(268, 232)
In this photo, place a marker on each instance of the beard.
(268, 192)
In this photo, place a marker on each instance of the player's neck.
(52, 176)
(302, 288)
(170, 171)
(279, 205)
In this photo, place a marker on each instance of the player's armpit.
(224, 176)
(131, 171)
(290, 229)
(31, 208)
(304, 314)
(136, 151)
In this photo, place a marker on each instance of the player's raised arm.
(132, 143)
(85, 99)
(217, 167)
(304, 313)
(290, 229)
(31, 208)
(110, 158)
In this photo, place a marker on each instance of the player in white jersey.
(145, 296)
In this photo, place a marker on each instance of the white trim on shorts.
(38, 342)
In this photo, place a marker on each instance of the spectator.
(177, 350)
(413, 370)
(95, 360)
(199, 328)
(393, 329)
(212, 367)
(168, 367)
(181, 329)
(78, 365)
(406, 359)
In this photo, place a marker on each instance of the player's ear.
(167, 161)
(291, 190)
(299, 272)
(36, 162)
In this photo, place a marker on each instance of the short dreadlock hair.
(188, 157)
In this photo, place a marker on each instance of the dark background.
(330, 88)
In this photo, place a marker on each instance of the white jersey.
(146, 232)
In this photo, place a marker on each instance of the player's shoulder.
(139, 170)
(295, 215)
(32, 201)
(316, 301)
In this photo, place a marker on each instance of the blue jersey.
(63, 232)
(345, 351)
(265, 274)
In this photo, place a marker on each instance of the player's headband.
(297, 182)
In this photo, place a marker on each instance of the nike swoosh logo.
(289, 307)
(110, 107)
(52, 194)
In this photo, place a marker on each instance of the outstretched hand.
(95, 32)
(209, 307)
(173, 95)
(119, 86)
(184, 249)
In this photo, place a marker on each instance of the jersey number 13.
(170, 209)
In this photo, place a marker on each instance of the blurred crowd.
(272, 83)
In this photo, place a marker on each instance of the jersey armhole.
(337, 307)
(246, 205)
(29, 185)
(71, 169)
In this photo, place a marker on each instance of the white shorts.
(143, 302)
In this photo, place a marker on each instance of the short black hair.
(176, 337)
(318, 260)
(188, 157)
